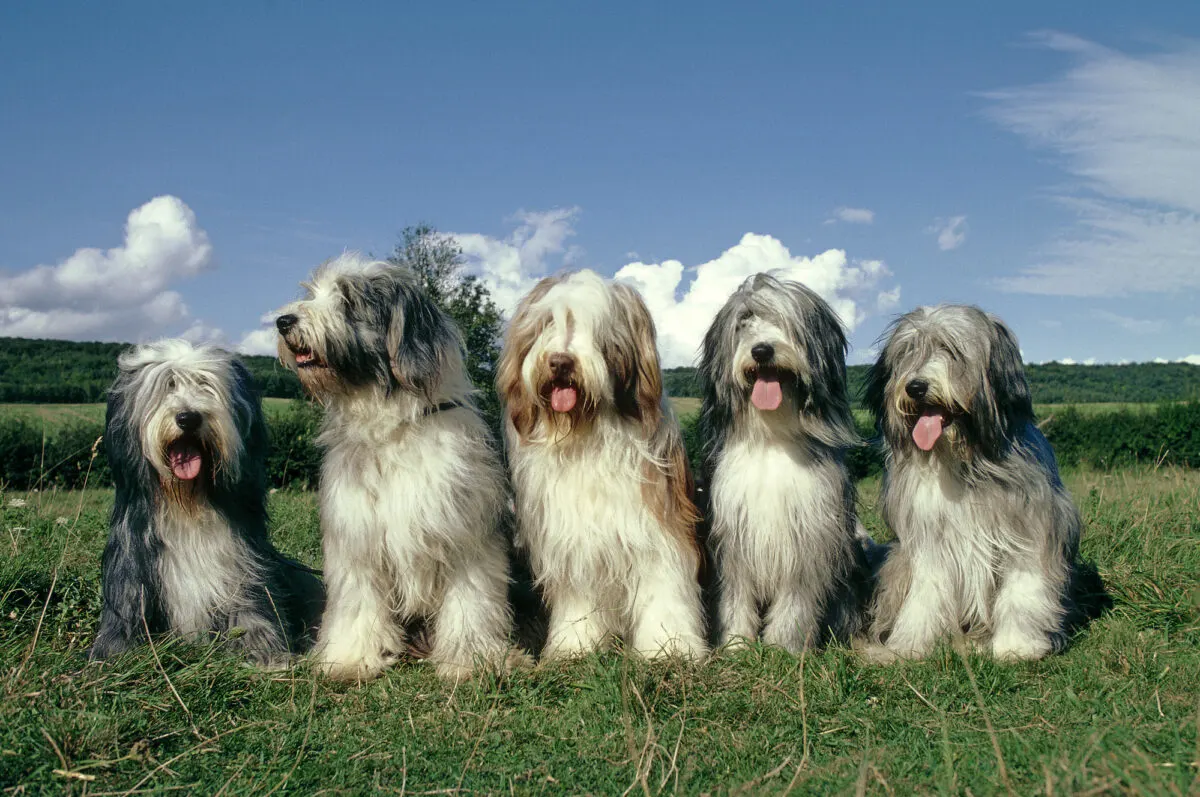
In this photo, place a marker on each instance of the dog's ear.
(1006, 375)
(632, 357)
(421, 339)
(247, 406)
(519, 403)
(879, 373)
(827, 398)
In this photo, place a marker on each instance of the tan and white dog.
(604, 493)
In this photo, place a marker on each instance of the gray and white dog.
(776, 420)
(413, 497)
(988, 537)
(187, 550)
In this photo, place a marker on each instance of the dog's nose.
(285, 322)
(916, 389)
(561, 365)
(187, 420)
(762, 352)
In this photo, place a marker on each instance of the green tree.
(438, 262)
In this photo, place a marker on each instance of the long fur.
(988, 537)
(412, 493)
(191, 556)
(782, 502)
(604, 494)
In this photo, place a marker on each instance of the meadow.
(1117, 713)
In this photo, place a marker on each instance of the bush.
(63, 457)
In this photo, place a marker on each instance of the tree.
(438, 262)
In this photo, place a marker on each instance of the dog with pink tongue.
(776, 420)
(988, 537)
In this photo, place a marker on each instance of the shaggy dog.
(604, 494)
(412, 492)
(187, 550)
(776, 420)
(988, 537)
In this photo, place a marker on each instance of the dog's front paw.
(1018, 647)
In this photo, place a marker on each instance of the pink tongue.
(185, 462)
(562, 399)
(767, 394)
(928, 429)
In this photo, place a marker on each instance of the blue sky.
(179, 168)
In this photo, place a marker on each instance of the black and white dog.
(413, 496)
(776, 420)
(188, 551)
(988, 537)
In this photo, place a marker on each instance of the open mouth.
(305, 358)
(766, 392)
(564, 394)
(929, 426)
(186, 457)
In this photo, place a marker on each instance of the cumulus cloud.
(511, 267)
(852, 216)
(116, 294)
(1125, 129)
(951, 232)
(1191, 359)
(852, 288)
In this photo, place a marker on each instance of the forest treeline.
(65, 372)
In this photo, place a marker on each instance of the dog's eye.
(171, 383)
(744, 317)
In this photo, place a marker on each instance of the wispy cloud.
(851, 216)
(1126, 129)
(951, 232)
(1134, 326)
(123, 293)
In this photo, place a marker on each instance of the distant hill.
(66, 372)
(1051, 383)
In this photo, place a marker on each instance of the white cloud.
(116, 294)
(1134, 326)
(1127, 130)
(259, 341)
(513, 265)
(951, 232)
(851, 287)
(1191, 359)
(852, 216)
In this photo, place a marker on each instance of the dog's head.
(366, 325)
(186, 410)
(579, 346)
(949, 378)
(777, 349)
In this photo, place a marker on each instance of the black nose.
(762, 352)
(561, 365)
(187, 420)
(916, 389)
(285, 322)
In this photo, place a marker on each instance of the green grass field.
(1116, 714)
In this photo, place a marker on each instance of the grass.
(1116, 714)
